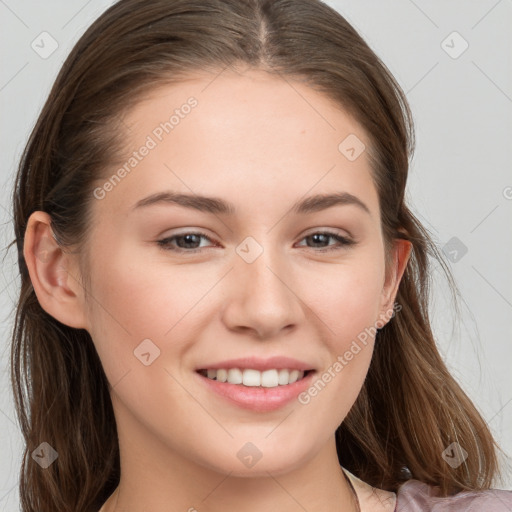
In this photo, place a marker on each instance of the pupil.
(188, 239)
(316, 237)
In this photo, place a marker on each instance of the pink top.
(416, 496)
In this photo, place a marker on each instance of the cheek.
(125, 309)
(346, 297)
(141, 298)
(347, 301)
(348, 309)
(133, 300)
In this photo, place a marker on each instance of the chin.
(242, 466)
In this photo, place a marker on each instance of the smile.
(251, 389)
(254, 378)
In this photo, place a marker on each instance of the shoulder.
(416, 496)
(371, 498)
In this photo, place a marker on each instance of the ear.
(53, 272)
(400, 256)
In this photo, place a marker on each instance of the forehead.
(245, 134)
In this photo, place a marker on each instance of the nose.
(262, 297)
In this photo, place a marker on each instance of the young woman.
(224, 296)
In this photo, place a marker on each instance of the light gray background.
(460, 181)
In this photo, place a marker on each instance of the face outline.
(256, 142)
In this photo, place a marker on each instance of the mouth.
(252, 378)
(259, 391)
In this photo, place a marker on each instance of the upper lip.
(256, 363)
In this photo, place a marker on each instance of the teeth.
(235, 376)
(284, 377)
(294, 376)
(222, 375)
(254, 378)
(251, 378)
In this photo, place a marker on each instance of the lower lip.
(258, 398)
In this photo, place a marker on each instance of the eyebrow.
(216, 205)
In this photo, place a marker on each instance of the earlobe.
(401, 254)
(52, 273)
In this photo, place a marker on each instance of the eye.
(323, 236)
(188, 242)
(184, 241)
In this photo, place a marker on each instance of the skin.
(258, 142)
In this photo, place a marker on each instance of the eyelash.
(165, 243)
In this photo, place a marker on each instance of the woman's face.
(254, 281)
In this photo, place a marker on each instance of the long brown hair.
(409, 409)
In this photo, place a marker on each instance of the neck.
(176, 484)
